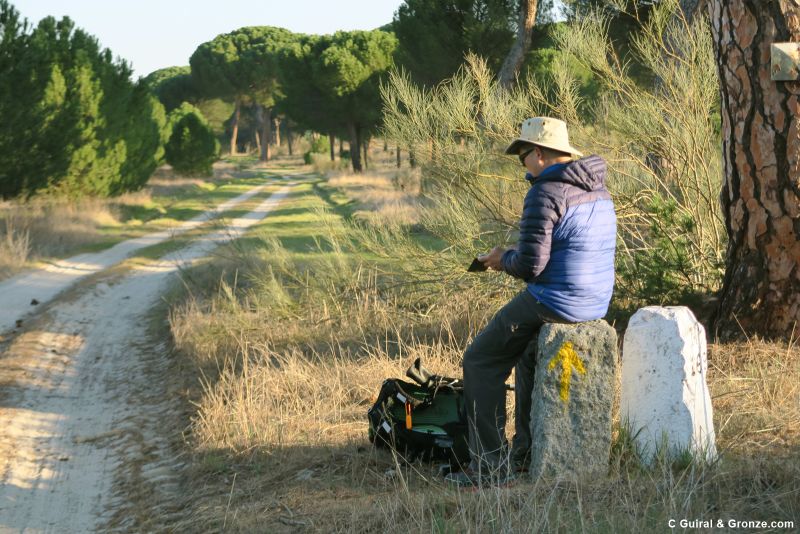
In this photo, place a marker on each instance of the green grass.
(189, 202)
(169, 211)
(177, 242)
(296, 223)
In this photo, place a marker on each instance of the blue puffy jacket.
(567, 240)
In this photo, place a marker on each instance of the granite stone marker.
(572, 397)
(665, 397)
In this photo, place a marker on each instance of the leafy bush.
(319, 145)
(192, 147)
(663, 144)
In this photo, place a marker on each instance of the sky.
(152, 34)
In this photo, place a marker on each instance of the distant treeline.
(73, 122)
(331, 84)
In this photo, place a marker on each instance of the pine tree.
(71, 120)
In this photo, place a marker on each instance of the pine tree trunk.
(235, 127)
(266, 135)
(355, 146)
(259, 116)
(516, 56)
(289, 138)
(277, 129)
(333, 147)
(761, 158)
(365, 143)
(398, 157)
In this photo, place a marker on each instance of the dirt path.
(41, 285)
(85, 412)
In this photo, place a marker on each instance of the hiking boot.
(469, 479)
(520, 461)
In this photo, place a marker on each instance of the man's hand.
(493, 259)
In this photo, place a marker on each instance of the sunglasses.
(525, 155)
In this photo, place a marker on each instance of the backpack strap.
(419, 374)
(396, 390)
(424, 378)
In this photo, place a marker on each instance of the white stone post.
(665, 397)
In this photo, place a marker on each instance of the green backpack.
(423, 419)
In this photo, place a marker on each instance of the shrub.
(663, 142)
(319, 145)
(192, 146)
(660, 141)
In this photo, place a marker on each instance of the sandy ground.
(86, 420)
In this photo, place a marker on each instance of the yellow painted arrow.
(569, 360)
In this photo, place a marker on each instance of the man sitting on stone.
(565, 253)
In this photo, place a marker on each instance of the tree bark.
(277, 129)
(289, 138)
(355, 146)
(516, 56)
(264, 122)
(761, 159)
(333, 147)
(266, 152)
(398, 157)
(235, 126)
(365, 144)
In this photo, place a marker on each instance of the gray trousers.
(507, 342)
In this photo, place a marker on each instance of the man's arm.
(539, 216)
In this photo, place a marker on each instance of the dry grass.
(15, 247)
(292, 358)
(755, 387)
(45, 228)
(284, 407)
(285, 415)
(379, 199)
(52, 228)
(322, 164)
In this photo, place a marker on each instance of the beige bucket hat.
(544, 131)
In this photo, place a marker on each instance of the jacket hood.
(588, 173)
